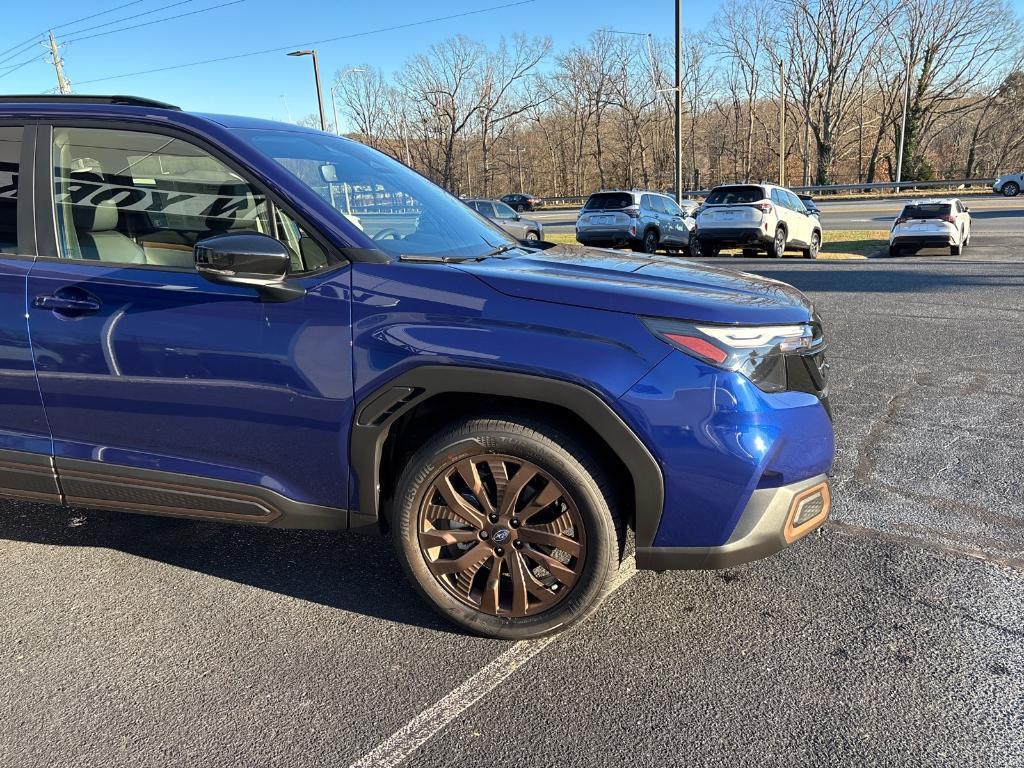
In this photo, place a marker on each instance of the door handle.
(64, 304)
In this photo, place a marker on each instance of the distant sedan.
(509, 220)
(520, 201)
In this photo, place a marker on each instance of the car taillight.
(950, 219)
(764, 207)
(758, 352)
(633, 211)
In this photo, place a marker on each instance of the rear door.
(25, 449)
(802, 221)
(143, 364)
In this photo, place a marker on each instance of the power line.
(311, 43)
(14, 68)
(129, 18)
(155, 21)
(40, 35)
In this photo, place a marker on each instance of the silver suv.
(643, 221)
(502, 215)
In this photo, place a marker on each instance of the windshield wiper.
(432, 259)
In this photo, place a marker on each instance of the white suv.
(755, 217)
(931, 224)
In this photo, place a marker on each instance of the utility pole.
(903, 127)
(782, 122)
(63, 86)
(679, 102)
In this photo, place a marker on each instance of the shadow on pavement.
(350, 572)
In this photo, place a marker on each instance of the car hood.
(643, 285)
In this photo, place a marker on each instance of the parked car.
(940, 223)
(756, 218)
(522, 202)
(643, 221)
(811, 206)
(1009, 185)
(227, 319)
(507, 219)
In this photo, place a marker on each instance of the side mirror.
(247, 258)
(966, 209)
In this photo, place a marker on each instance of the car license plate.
(600, 219)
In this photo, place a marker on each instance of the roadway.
(893, 637)
(990, 214)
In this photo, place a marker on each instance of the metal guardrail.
(578, 200)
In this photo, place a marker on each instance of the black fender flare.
(378, 411)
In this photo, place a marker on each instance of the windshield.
(402, 212)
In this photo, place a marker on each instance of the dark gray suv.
(643, 221)
(502, 215)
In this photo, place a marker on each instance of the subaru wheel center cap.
(500, 535)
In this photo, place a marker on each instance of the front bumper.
(773, 519)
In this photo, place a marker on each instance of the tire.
(956, 249)
(894, 251)
(650, 241)
(750, 253)
(532, 237)
(778, 246)
(520, 207)
(1011, 189)
(811, 252)
(579, 515)
(699, 250)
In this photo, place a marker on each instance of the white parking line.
(397, 748)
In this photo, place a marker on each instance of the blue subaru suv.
(229, 319)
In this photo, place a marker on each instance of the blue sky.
(273, 85)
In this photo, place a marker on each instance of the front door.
(145, 365)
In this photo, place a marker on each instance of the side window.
(504, 212)
(645, 202)
(10, 157)
(141, 198)
(487, 209)
(779, 199)
(795, 203)
(671, 207)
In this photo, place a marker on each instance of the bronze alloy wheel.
(501, 535)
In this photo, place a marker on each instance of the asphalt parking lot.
(895, 636)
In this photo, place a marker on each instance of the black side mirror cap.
(247, 258)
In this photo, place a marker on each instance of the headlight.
(756, 351)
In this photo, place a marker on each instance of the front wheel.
(811, 252)
(1011, 189)
(531, 237)
(778, 249)
(507, 527)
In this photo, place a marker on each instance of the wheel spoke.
(459, 505)
(468, 471)
(542, 500)
(490, 602)
(556, 568)
(515, 486)
(554, 540)
(518, 571)
(471, 559)
(437, 537)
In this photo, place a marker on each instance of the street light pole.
(334, 95)
(903, 127)
(319, 91)
(679, 101)
(782, 122)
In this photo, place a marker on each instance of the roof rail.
(131, 101)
